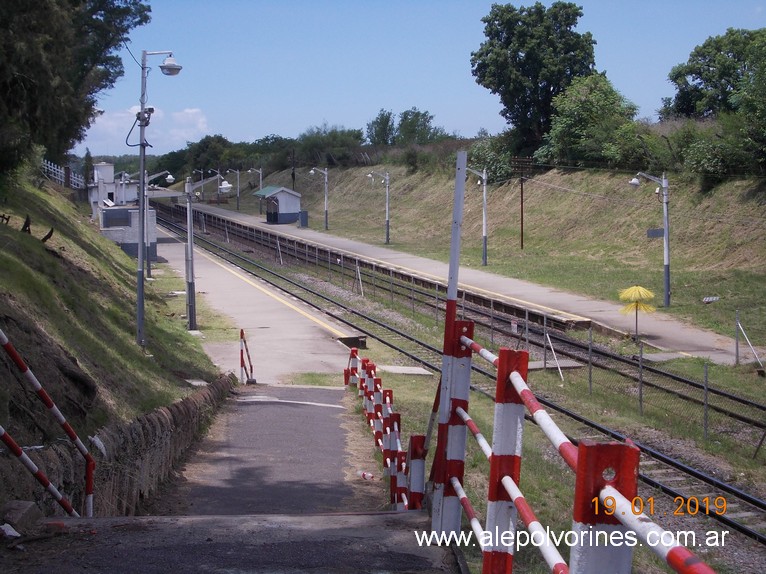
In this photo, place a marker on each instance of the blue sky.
(252, 68)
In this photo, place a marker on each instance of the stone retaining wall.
(136, 458)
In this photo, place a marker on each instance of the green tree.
(592, 123)
(208, 153)
(57, 56)
(87, 167)
(530, 56)
(751, 103)
(415, 127)
(382, 130)
(330, 145)
(707, 83)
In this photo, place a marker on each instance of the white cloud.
(166, 132)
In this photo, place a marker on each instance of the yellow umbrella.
(636, 293)
(637, 296)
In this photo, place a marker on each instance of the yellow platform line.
(274, 296)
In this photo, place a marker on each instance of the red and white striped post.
(602, 536)
(363, 377)
(90, 463)
(455, 382)
(416, 471)
(352, 378)
(245, 375)
(505, 461)
(36, 472)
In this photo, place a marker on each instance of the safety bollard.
(505, 459)
(416, 471)
(599, 465)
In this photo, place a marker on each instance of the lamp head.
(311, 172)
(635, 182)
(169, 67)
(170, 178)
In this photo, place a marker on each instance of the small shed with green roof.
(283, 205)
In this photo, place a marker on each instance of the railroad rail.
(497, 317)
(740, 510)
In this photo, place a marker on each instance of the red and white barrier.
(505, 462)
(416, 471)
(602, 470)
(245, 374)
(36, 472)
(90, 463)
(352, 377)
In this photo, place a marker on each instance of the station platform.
(668, 336)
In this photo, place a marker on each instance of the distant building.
(114, 204)
(283, 205)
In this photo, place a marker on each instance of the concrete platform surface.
(274, 544)
(660, 330)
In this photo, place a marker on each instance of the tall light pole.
(260, 176)
(483, 176)
(260, 186)
(237, 172)
(191, 304)
(385, 177)
(170, 68)
(324, 171)
(663, 181)
(217, 187)
(201, 173)
(147, 239)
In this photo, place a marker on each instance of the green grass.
(583, 231)
(74, 298)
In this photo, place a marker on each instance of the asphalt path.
(274, 447)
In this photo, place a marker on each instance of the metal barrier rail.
(245, 375)
(90, 463)
(405, 470)
(603, 470)
(36, 472)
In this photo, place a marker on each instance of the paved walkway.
(665, 333)
(273, 485)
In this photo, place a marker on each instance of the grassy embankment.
(69, 307)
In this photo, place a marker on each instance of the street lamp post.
(217, 188)
(201, 173)
(324, 171)
(191, 304)
(147, 236)
(483, 176)
(237, 172)
(170, 68)
(663, 181)
(386, 178)
(260, 186)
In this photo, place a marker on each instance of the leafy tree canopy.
(416, 127)
(708, 82)
(589, 122)
(382, 130)
(530, 56)
(57, 56)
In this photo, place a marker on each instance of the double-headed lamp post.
(170, 68)
(260, 176)
(260, 185)
(191, 305)
(147, 239)
(237, 172)
(324, 171)
(385, 177)
(483, 176)
(663, 181)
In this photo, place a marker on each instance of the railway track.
(694, 491)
